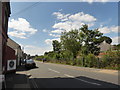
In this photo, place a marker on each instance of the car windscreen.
(30, 61)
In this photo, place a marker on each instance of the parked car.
(30, 63)
(23, 61)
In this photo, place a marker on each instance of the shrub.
(111, 59)
(90, 60)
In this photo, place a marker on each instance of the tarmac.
(18, 80)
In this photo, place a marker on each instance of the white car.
(30, 63)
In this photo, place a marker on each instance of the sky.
(34, 25)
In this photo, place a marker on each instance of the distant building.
(104, 46)
(18, 51)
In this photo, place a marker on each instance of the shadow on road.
(22, 68)
(77, 82)
(16, 81)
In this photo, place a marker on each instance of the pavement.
(18, 80)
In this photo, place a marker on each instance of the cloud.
(72, 21)
(60, 9)
(54, 35)
(45, 30)
(115, 29)
(17, 34)
(34, 50)
(81, 17)
(112, 29)
(116, 40)
(91, 1)
(57, 31)
(49, 41)
(21, 28)
(60, 16)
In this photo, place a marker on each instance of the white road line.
(53, 70)
(82, 80)
(69, 75)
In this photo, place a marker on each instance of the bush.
(90, 61)
(111, 59)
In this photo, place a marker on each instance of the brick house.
(4, 17)
(18, 51)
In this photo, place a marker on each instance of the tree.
(46, 53)
(56, 46)
(107, 39)
(116, 47)
(71, 42)
(91, 40)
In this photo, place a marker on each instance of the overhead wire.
(23, 10)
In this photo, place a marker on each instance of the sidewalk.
(18, 80)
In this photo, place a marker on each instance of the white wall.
(104, 46)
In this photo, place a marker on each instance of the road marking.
(53, 70)
(69, 75)
(82, 80)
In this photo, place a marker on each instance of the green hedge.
(109, 61)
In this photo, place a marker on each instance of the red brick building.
(5, 51)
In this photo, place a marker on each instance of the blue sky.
(35, 27)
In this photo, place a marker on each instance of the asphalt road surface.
(48, 75)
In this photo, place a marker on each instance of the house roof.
(13, 44)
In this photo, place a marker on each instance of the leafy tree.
(45, 53)
(71, 42)
(91, 39)
(116, 47)
(56, 46)
(105, 38)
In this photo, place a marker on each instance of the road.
(48, 75)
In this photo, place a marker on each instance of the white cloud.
(49, 41)
(21, 28)
(61, 10)
(116, 40)
(72, 21)
(33, 50)
(104, 30)
(115, 29)
(57, 31)
(17, 34)
(61, 16)
(109, 29)
(63, 26)
(54, 35)
(81, 17)
(91, 1)
(44, 30)
(67, 26)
